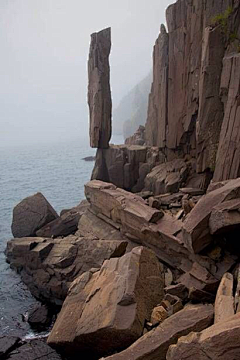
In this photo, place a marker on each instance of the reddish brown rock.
(48, 266)
(218, 342)
(224, 303)
(154, 344)
(167, 177)
(64, 225)
(31, 214)
(228, 155)
(156, 125)
(225, 217)
(106, 312)
(99, 92)
(196, 232)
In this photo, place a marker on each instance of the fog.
(44, 48)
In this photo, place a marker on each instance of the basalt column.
(99, 92)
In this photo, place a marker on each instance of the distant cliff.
(132, 110)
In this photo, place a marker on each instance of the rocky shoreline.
(148, 266)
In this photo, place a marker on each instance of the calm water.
(56, 170)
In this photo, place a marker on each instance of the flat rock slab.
(225, 217)
(154, 344)
(106, 311)
(31, 214)
(218, 342)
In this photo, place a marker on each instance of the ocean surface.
(58, 171)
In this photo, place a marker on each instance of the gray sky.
(44, 48)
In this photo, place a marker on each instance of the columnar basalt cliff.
(195, 85)
(99, 92)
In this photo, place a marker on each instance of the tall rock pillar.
(99, 92)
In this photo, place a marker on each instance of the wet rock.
(218, 342)
(154, 344)
(31, 214)
(39, 316)
(99, 92)
(48, 266)
(34, 350)
(224, 303)
(64, 225)
(109, 309)
(196, 232)
(7, 344)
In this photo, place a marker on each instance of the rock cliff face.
(195, 90)
(99, 92)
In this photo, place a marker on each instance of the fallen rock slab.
(196, 231)
(64, 225)
(224, 303)
(154, 344)
(31, 214)
(218, 342)
(106, 311)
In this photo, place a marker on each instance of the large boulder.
(31, 214)
(66, 224)
(218, 342)
(48, 266)
(154, 344)
(196, 231)
(225, 217)
(99, 92)
(106, 311)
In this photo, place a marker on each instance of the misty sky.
(44, 48)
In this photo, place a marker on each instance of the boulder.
(178, 290)
(196, 231)
(64, 225)
(31, 214)
(48, 266)
(106, 311)
(224, 303)
(39, 316)
(225, 217)
(218, 342)
(99, 92)
(154, 344)
(167, 177)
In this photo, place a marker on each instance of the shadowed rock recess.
(148, 266)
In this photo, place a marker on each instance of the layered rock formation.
(99, 92)
(195, 90)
